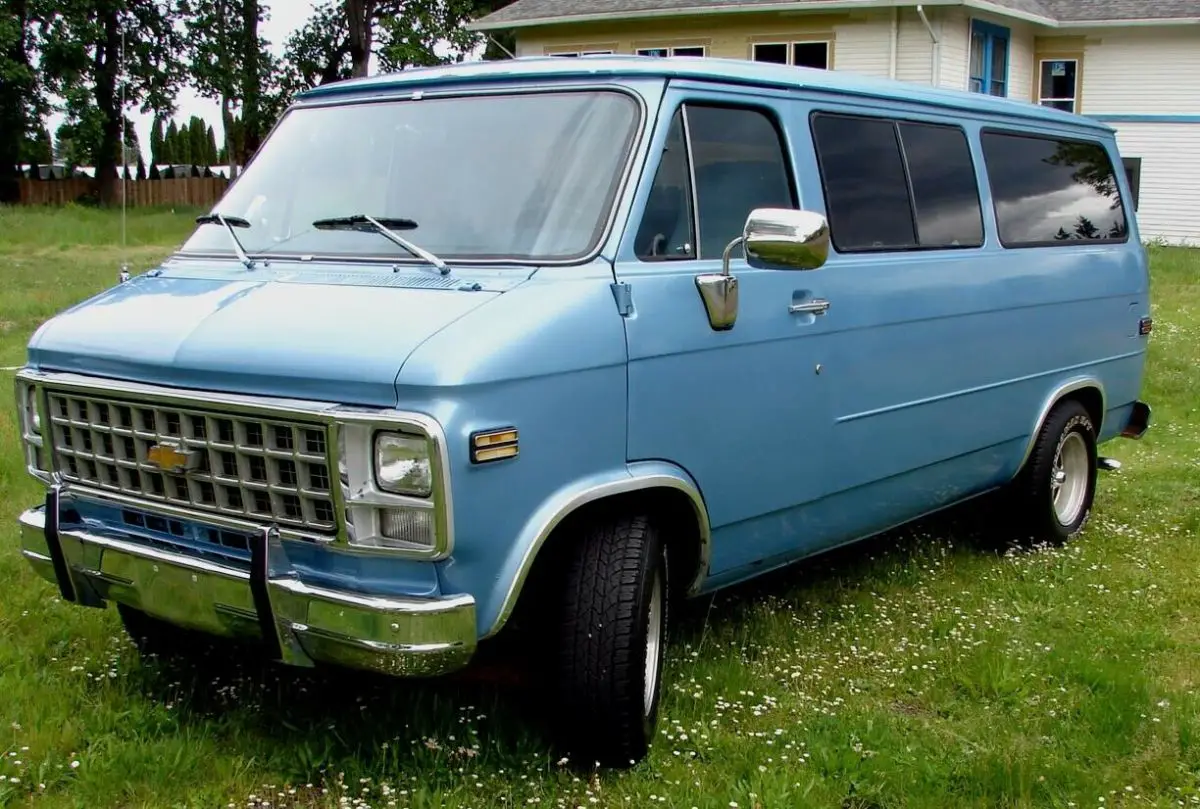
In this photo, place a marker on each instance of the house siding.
(727, 37)
(1135, 71)
(1152, 70)
(915, 52)
(864, 45)
(956, 52)
(862, 41)
(1169, 193)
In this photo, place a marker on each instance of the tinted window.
(1050, 191)
(866, 192)
(945, 194)
(739, 165)
(666, 228)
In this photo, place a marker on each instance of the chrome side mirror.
(798, 240)
(781, 236)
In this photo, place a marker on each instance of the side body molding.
(633, 477)
(1065, 388)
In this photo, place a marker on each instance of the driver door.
(744, 410)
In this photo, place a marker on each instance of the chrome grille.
(261, 468)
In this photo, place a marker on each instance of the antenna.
(124, 274)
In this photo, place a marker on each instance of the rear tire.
(1053, 495)
(612, 632)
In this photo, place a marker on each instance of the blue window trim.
(992, 36)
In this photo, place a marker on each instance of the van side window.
(866, 192)
(666, 231)
(897, 185)
(740, 165)
(1051, 191)
(944, 189)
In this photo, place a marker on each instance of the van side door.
(743, 410)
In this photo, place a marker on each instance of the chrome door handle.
(817, 306)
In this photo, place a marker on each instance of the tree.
(38, 147)
(230, 62)
(141, 168)
(170, 154)
(156, 141)
(22, 101)
(82, 58)
(342, 36)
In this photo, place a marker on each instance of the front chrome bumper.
(301, 624)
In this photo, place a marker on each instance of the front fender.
(497, 604)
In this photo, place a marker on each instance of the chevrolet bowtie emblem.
(172, 457)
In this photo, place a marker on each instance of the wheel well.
(1092, 401)
(670, 511)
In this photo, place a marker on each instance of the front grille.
(256, 468)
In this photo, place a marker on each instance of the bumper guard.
(301, 624)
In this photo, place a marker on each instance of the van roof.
(735, 71)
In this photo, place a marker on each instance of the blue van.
(569, 339)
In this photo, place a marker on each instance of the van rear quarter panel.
(942, 354)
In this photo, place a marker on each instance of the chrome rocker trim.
(301, 624)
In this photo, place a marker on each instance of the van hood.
(338, 336)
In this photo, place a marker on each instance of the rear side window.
(1049, 191)
(945, 192)
(866, 192)
(893, 185)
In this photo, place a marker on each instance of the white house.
(1134, 64)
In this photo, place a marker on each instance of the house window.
(675, 50)
(989, 58)
(1133, 174)
(1059, 85)
(798, 54)
(580, 53)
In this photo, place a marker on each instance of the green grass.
(917, 669)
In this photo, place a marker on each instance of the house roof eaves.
(1148, 21)
(702, 10)
(826, 5)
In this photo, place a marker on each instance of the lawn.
(923, 668)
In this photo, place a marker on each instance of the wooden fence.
(200, 192)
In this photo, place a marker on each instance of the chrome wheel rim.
(653, 640)
(1069, 479)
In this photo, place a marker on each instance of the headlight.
(29, 422)
(403, 464)
(30, 417)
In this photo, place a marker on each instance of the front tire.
(1055, 491)
(611, 640)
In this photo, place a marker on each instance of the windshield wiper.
(384, 227)
(230, 222)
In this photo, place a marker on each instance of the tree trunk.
(107, 62)
(13, 102)
(227, 125)
(358, 16)
(251, 90)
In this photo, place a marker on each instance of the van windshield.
(528, 177)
